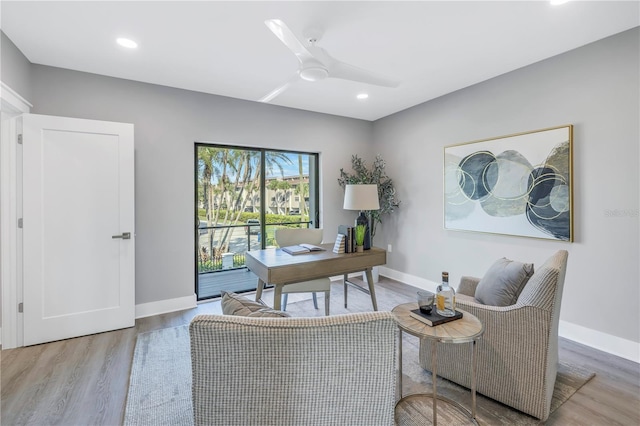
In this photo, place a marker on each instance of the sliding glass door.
(242, 195)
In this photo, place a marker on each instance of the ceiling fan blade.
(345, 71)
(286, 36)
(277, 91)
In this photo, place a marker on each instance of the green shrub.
(269, 217)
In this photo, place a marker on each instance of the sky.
(288, 168)
(292, 169)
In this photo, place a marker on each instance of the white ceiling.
(224, 48)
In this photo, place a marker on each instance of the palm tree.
(212, 174)
(303, 188)
(229, 178)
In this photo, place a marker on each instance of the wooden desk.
(276, 267)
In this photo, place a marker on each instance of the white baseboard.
(614, 345)
(412, 280)
(165, 306)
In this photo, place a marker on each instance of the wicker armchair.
(518, 354)
(338, 370)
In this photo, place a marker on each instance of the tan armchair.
(518, 354)
(337, 370)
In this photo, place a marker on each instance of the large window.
(242, 196)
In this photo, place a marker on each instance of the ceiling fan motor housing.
(314, 73)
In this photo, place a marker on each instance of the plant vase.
(360, 249)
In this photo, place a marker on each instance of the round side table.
(467, 329)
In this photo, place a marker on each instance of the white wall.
(595, 88)
(167, 123)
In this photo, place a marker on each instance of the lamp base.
(362, 220)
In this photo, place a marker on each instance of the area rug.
(160, 383)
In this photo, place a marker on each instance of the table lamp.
(362, 197)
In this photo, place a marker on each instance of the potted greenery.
(360, 232)
(386, 191)
(375, 175)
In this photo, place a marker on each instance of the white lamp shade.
(361, 197)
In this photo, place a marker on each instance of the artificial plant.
(375, 175)
(360, 232)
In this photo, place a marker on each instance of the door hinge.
(19, 139)
(20, 307)
(20, 223)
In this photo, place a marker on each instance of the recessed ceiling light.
(125, 42)
(557, 2)
(362, 96)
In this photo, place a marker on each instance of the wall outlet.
(389, 248)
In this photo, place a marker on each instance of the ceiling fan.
(316, 64)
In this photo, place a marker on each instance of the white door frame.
(12, 105)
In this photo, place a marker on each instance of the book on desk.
(433, 318)
(301, 249)
(349, 237)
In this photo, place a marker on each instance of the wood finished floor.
(84, 381)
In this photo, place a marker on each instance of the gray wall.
(15, 69)
(595, 88)
(167, 122)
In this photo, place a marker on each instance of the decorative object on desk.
(360, 234)
(338, 247)
(446, 298)
(425, 301)
(376, 175)
(301, 248)
(516, 185)
(348, 232)
(433, 319)
(362, 197)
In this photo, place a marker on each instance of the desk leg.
(372, 290)
(434, 377)
(277, 297)
(259, 290)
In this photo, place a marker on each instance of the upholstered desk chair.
(518, 354)
(289, 237)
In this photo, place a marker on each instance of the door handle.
(124, 236)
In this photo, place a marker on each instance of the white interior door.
(78, 199)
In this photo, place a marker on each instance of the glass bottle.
(446, 298)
